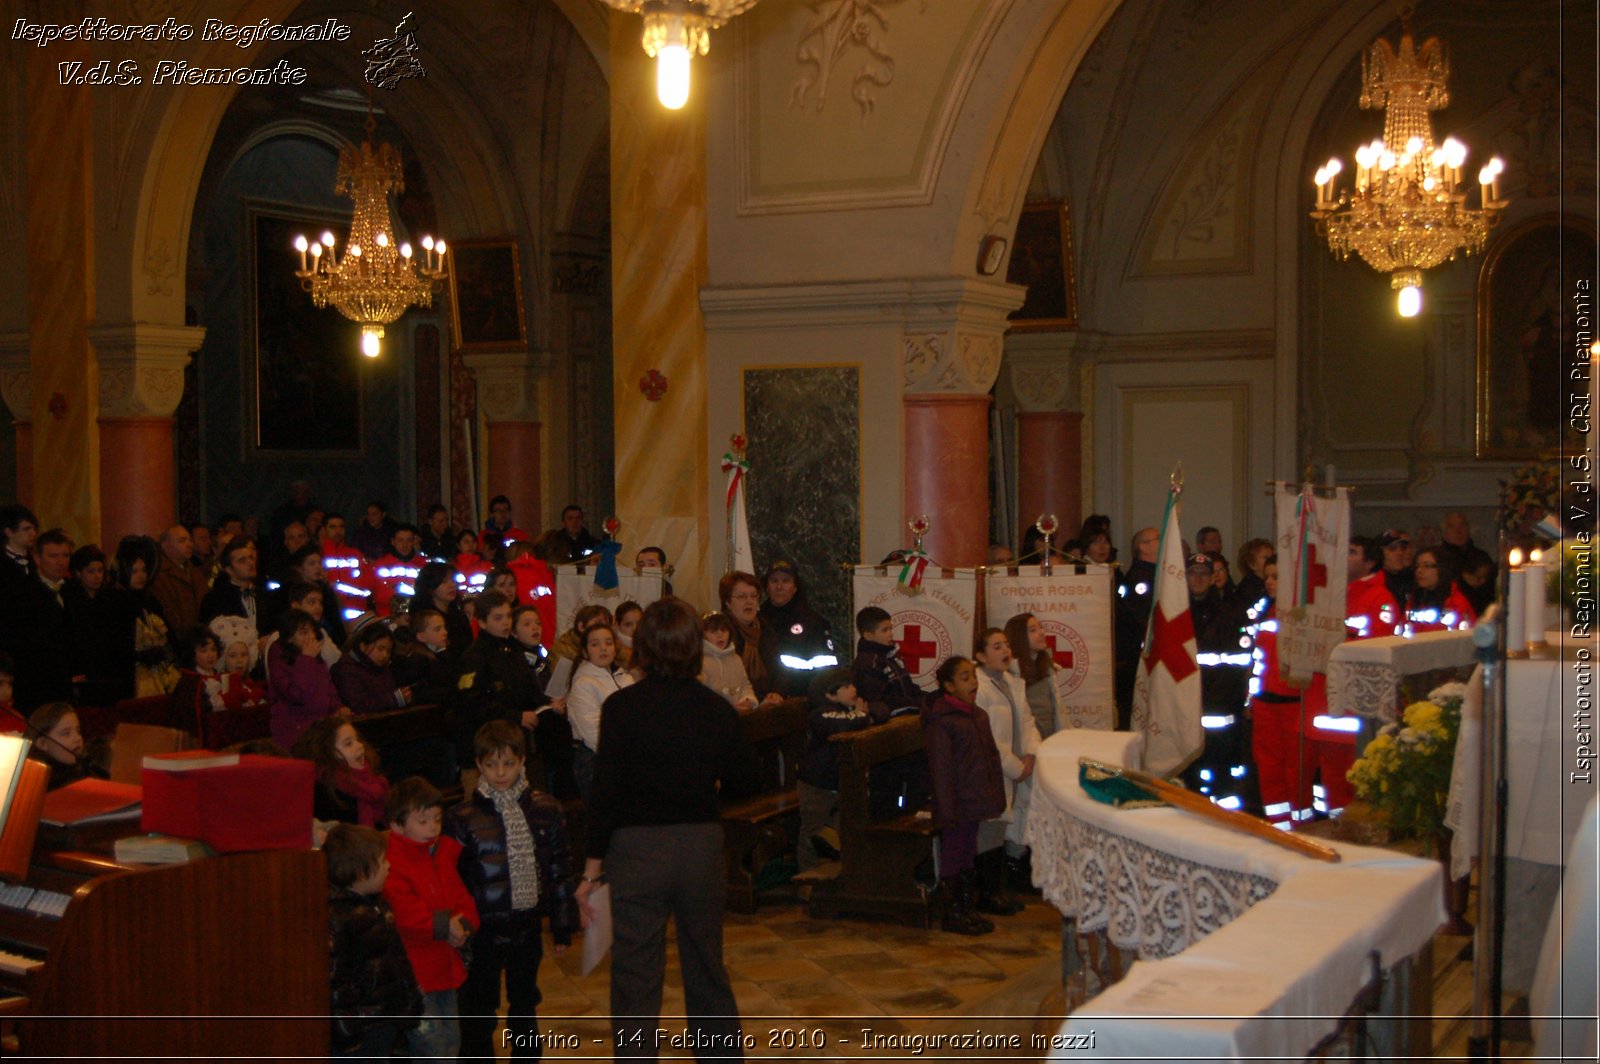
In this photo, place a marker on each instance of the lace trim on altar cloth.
(1364, 689)
(1142, 897)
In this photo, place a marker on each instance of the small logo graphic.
(1070, 652)
(924, 642)
(390, 60)
(653, 384)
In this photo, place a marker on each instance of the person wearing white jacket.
(595, 680)
(1003, 697)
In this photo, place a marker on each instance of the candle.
(1534, 587)
(1516, 612)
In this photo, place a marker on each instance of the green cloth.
(1114, 789)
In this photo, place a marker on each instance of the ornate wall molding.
(837, 27)
(1041, 379)
(508, 383)
(141, 367)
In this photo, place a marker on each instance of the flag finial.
(1177, 478)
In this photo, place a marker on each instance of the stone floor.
(797, 978)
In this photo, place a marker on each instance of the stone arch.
(1035, 62)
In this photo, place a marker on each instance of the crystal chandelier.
(675, 30)
(1408, 211)
(375, 280)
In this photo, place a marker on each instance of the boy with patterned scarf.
(517, 864)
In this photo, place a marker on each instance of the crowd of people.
(633, 712)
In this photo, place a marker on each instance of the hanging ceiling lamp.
(376, 279)
(676, 30)
(1408, 211)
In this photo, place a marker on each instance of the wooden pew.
(879, 857)
(760, 828)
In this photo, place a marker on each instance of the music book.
(25, 783)
(188, 760)
(159, 849)
(13, 752)
(91, 801)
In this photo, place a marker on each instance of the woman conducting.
(656, 836)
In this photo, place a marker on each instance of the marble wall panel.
(804, 431)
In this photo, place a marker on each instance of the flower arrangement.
(1533, 491)
(1404, 773)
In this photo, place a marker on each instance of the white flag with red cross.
(1074, 606)
(929, 626)
(1166, 694)
(1313, 569)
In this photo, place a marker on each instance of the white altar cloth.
(1247, 949)
(1364, 674)
(1544, 804)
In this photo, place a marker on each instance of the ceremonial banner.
(1075, 612)
(1313, 569)
(575, 589)
(928, 627)
(1166, 694)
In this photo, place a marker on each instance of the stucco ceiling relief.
(857, 29)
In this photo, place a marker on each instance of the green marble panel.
(804, 428)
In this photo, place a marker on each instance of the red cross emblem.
(1316, 574)
(1063, 658)
(653, 384)
(914, 648)
(1167, 637)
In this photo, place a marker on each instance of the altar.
(1245, 949)
(1547, 791)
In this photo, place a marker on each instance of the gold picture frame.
(1042, 260)
(486, 312)
(1526, 330)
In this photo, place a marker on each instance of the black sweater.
(667, 744)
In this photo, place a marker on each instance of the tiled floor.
(793, 975)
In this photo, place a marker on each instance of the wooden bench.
(880, 857)
(761, 828)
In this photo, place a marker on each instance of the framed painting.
(1041, 259)
(1529, 299)
(307, 377)
(486, 295)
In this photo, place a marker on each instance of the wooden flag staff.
(1200, 805)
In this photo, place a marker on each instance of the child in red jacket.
(433, 911)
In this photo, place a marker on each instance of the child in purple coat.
(300, 686)
(364, 676)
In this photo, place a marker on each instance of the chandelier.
(375, 280)
(675, 30)
(1408, 211)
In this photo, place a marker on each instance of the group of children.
(428, 918)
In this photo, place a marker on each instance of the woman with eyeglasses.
(1437, 603)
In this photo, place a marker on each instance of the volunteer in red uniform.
(345, 568)
(1370, 613)
(1276, 736)
(396, 572)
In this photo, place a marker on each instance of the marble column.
(947, 473)
(16, 388)
(1049, 436)
(58, 144)
(658, 266)
(951, 356)
(508, 396)
(141, 382)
